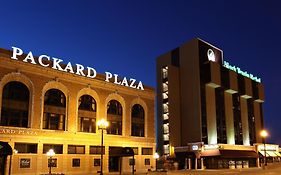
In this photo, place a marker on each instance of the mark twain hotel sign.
(56, 63)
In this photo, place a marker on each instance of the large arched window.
(54, 110)
(114, 117)
(15, 105)
(137, 116)
(87, 114)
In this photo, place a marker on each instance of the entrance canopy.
(121, 151)
(230, 153)
(5, 149)
(270, 153)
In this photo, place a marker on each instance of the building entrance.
(5, 150)
(114, 164)
(115, 158)
(2, 164)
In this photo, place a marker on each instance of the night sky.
(125, 37)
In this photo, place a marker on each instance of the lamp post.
(102, 125)
(264, 134)
(50, 154)
(156, 157)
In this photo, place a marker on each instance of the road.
(273, 169)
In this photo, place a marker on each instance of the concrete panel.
(245, 123)
(230, 134)
(211, 115)
(258, 121)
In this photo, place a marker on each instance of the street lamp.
(264, 134)
(156, 157)
(102, 125)
(50, 154)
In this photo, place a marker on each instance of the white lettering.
(116, 79)
(108, 76)
(80, 69)
(132, 85)
(45, 61)
(29, 57)
(140, 86)
(16, 52)
(93, 71)
(40, 60)
(125, 82)
(68, 67)
(56, 64)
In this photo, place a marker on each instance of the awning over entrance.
(231, 154)
(121, 151)
(270, 153)
(238, 154)
(5, 149)
(210, 153)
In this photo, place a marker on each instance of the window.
(87, 114)
(96, 149)
(146, 161)
(166, 149)
(96, 162)
(114, 117)
(58, 149)
(137, 127)
(26, 148)
(15, 105)
(136, 150)
(146, 151)
(52, 162)
(132, 161)
(75, 162)
(54, 110)
(76, 149)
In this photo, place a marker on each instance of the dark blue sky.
(125, 37)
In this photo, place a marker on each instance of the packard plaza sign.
(57, 64)
(241, 72)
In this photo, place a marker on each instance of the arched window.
(114, 117)
(137, 126)
(15, 105)
(54, 110)
(87, 114)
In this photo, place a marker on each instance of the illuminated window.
(137, 127)
(166, 137)
(146, 161)
(26, 148)
(146, 151)
(166, 128)
(166, 149)
(165, 95)
(165, 87)
(58, 149)
(165, 72)
(76, 149)
(136, 150)
(87, 114)
(75, 162)
(54, 110)
(165, 108)
(96, 150)
(15, 105)
(96, 162)
(166, 116)
(114, 117)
